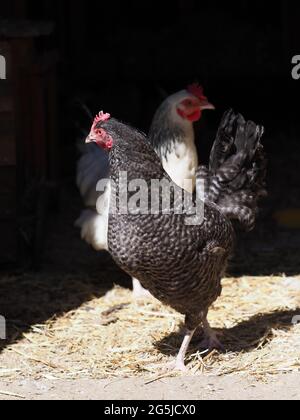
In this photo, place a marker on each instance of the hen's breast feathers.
(181, 164)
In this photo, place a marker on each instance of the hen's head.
(190, 103)
(98, 134)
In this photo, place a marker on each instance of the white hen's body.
(181, 163)
(94, 223)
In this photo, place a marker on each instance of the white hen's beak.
(204, 105)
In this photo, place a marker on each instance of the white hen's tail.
(92, 167)
(93, 229)
(93, 222)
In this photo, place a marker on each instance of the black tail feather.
(236, 178)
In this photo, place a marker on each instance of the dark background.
(123, 56)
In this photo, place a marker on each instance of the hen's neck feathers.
(173, 139)
(132, 153)
(168, 129)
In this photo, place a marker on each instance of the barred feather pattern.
(180, 265)
(236, 177)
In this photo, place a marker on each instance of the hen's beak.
(207, 105)
(89, 140)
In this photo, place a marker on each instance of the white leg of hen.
(180, 360)
(138, 290)
(178, 365)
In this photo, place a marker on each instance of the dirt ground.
(284, 387)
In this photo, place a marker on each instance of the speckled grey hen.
(180, 264)
(172, 137)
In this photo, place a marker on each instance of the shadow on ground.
(30, 299)
(245, 337)
(72, 274)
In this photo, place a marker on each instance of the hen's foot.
(212, 343)
(176, 366)
(211, 339)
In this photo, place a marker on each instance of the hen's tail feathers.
(92, 167)
(93, 229)
(236, 178)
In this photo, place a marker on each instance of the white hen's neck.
(174, 141)
(181, 162)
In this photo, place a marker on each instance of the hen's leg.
(138, 291)
(180, 360)
(179, 363)
(211, 340)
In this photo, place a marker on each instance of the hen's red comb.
(101, 117)
(197, 90)
(98, 134)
